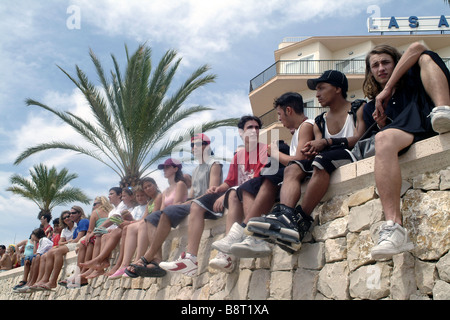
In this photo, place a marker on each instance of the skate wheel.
(297, 246)
(286, 248)
(289, 247)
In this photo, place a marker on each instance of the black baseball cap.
(333, 77)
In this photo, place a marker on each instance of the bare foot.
(95, 274)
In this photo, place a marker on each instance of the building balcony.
(306, 67)
(292, 75)
(311, 67)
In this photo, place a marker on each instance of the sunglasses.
(95, 203)
(199, 144)
(66, 217)
(76, 212)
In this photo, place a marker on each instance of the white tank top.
(294, 140)
(347, 130)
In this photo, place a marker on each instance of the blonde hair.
(104, 203)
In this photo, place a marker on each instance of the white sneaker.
(393, 239)
(235, 235)
(251, 247)
(223, 262)
(185, 264)
(440, 119)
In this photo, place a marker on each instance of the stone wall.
(334, 261)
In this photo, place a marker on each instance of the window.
(354, 65)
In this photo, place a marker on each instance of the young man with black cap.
(335, 133)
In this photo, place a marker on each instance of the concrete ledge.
(291, 276)
(424, 156)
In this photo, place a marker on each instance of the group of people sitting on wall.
(409, 100)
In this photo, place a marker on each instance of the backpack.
(320, 120)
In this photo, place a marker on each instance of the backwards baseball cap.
(333, 77)
(201, 136)
(170, 162)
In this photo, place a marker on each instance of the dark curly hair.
(245, 119)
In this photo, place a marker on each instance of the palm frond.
(132, 113)
(47, 188)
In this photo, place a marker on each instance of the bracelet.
(326, 140)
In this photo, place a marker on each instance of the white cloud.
(199, 28)
(41, 126)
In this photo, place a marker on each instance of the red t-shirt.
(48, 230)
(246, 165)
(55, 239)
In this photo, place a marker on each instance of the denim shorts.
(175, 213)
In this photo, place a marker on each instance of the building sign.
(408, 24)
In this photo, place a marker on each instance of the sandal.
(43, 287)
(133, 274)
(20, 285)
(144, 271)
(118, 274)
(63, 283)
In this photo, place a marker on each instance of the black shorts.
(252, 186)
(328, 160)
(207, 202)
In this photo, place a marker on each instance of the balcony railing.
(305, 67)
(271, 117)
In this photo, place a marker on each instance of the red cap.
(201, 136)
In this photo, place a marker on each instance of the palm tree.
(47, 188)
(133, 113)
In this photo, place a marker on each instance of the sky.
(237, 39)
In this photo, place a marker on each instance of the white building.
(299, 59)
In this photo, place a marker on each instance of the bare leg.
(317, 187)
(26, 270)
(235, 211)
(196, 224)
(48, 267)
(101, 262)
(434, 81)
(291, 189)
(157, 236)
(142, 239)
(109, 242)
(41, 270)
(57, 266)
(34, 272)
(255, 207)
(388, 177)
(129, 244)
(160, 235)
(121, 250)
